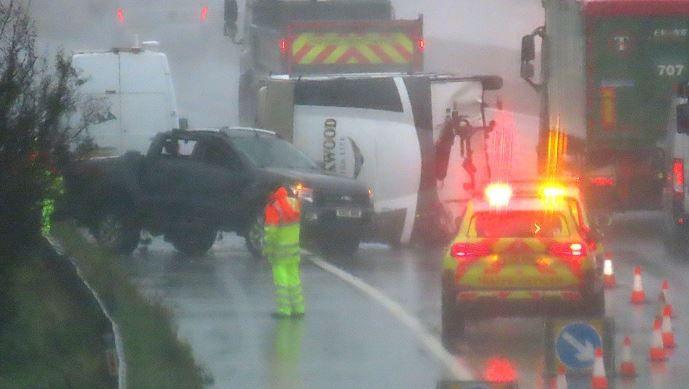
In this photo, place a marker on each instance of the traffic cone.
(627, 368)
(599, 381)
(561, 380)
(638, 295)
(657, 352)
(665, 296)
(609, 274)
(666, 327)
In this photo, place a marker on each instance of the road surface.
(222, 304)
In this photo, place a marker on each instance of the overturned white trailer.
(418, 141)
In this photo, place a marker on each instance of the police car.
(518, 255)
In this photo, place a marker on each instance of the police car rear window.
(518, 224)
(374, 93)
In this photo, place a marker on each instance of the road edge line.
(457, 367)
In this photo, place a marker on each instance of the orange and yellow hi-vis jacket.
(282, 227)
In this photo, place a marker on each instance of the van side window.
(374, 93)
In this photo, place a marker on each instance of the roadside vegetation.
(50, 336)
(156, 357)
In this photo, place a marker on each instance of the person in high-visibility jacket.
(281, 248)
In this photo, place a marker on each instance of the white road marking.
(456, 366)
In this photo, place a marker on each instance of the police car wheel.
(116, 232)
(452, 318)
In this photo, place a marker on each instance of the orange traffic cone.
(599, 380)
(561, 380)
(609, 274)
(666, 326)
(638, 295)
(627, 367)
(665, 296)
(657, 352)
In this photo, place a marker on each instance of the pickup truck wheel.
(116, 232)
(254, 236)
(194, 243)
(343, 245)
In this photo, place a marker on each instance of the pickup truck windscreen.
(265, 151)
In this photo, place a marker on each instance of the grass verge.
(51, 335)
(156, 357)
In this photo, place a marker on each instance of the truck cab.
(608, 69)
(302, 38)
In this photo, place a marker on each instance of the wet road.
(222, 304)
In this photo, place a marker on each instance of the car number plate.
(353, 213)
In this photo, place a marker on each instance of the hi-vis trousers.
(288, 293)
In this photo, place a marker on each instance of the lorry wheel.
(254, 236)
(452, 318)
(194, 243)
(117, 232)
(678, 241)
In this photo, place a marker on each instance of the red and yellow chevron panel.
(333, 48)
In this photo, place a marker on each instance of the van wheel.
(117, 232)
(194, 243)
(254, 236)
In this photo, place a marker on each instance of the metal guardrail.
(117, 335)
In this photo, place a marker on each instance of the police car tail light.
(678, 176)
(462, 251)
(498, 195)
(568, 250)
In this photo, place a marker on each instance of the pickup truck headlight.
(303, 193)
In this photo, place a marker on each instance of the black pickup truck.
(193, 183)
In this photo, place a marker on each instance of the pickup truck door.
(163, 178)
(219, 178)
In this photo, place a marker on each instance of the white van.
(133, 93)
(386, 131)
